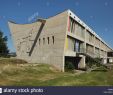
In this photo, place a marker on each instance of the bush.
(18, 61)
(69, 66)
(12, 61)
(90, 62)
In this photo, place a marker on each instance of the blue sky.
(98, 14)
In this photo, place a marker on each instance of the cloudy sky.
(98, 14)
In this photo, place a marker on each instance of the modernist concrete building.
(55, 40)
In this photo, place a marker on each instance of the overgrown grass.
(14, 74)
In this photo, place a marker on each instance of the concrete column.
(84, 47)
(82, 64)
(63, 67)
(110, 60)
(104, 60)
(85, 41)
(94, 47)
(99, 48)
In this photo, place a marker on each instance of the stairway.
(91, 57)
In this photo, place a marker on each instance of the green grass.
(14, 74)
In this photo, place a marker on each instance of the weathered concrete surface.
(43, 52)
(52, 41)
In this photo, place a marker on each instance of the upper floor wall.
(82, 32)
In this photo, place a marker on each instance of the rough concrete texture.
(52, 41)
(45, 50)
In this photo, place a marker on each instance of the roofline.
(11, 21)
(75, 17)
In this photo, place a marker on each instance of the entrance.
(73, 61)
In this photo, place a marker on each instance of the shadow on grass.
(99, 70)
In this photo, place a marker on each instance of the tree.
(3, 45)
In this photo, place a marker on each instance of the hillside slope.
(12, 73)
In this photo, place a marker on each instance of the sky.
(97, 14)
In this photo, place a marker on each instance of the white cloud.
(47, 4)
(33, 17)
(106, 3)
(3, 16)
(91, 17)
(19, 3)
(77, 3)
(106, 29)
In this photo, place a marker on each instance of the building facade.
(55, 40)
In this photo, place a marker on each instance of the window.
(53, 39)
(82, 31)
(70, 44)
(72, 25)
(39, 41)
(77, 46)
(43, 40)
(48, 39)
(90, 36)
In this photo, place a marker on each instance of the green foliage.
(90, 62)
(101, 68)
(12, 61)
(69, 66)
(3, 45)
(46, 75)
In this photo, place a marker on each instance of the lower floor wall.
(110, 60)
(107, 60)
(79, 62)
(56, 61)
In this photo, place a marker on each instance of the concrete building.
(55, 40)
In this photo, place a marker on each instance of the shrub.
(90, 62)
(69, 66)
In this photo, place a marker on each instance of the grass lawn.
(14, 74)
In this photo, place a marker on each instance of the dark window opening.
(53, 39)
(110, 54)
(39, 41)
(43, 40)
(72, 25)
(77, 46)
(48, 39)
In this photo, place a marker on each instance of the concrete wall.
(52, 53)
(45, 50)
(80, 31)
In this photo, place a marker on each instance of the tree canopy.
(3, 44)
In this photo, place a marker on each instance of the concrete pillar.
(110, 60)
(104, 60)
(94, 51)
(84, 48)
(94, 47)
(84, 42)
(63, 67)
(99, 48)
(82, 64)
